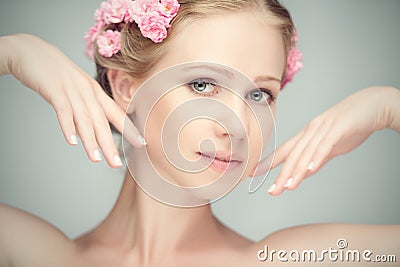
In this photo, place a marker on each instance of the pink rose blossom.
(171, 7)
(154, 26)
(294, 63)
(115, 11)
(153, 18)
(91, 37)
(109, 43)
(140, 8)
(93, 32)
(99, 14)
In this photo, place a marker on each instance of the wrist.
(5, 54)
(11, 48)
(392, 109)
(9, 52)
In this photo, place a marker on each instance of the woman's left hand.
(337, 131)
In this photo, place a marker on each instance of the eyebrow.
(222, 71)
(229, 74)
(267, 79)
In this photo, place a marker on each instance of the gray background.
(347, 45)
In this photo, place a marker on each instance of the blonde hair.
(139, 54)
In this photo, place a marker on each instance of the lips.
(222, 161)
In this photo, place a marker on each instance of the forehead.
(239, 40)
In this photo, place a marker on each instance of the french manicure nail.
(73, 139)
(141, 140)
(272, 188)
(97, 155)
(117, 160)
(289, 182)
(310, 166)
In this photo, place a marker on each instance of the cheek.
(259, 138)
(153, 127)
(156, 129)
(159, 121)
(192, 137)
(255, 148)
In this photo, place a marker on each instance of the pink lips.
(222, 161)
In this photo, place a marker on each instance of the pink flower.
(140, 8)
(153, 26)
(153, 18)
(109, 43)
(171, 7)
(293, 64)
(99, 13)
(91, 37)
(114, 11)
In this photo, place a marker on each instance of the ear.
(123, 87)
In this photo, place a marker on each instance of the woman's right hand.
(83, 108)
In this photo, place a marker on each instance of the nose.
(233, 122)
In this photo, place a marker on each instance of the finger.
(324, 150)
(120, 120)
(305, 162)
(104, 136)
(283, 151)
(263, 166)
(101, 129)
(65, 118)
(84, 126)
(285, 178)
(275, 159)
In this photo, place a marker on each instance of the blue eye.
(261, 95)
(203, 86)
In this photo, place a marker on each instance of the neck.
(142, 224)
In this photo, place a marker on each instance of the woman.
(143, 231)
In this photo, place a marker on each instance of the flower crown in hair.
(153, 18)
(293, 64)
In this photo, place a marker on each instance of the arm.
(335, 132)
(26, 240)
(83, 108)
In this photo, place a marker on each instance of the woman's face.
(232, 136)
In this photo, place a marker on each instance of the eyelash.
(208, 83)
(271, 98)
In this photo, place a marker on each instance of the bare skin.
(141, 231)
(148, 234)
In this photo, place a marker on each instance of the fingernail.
(272, 188)
(73, 139)
(310, 166)
(117, 160)
(97, 155)
(289, 182)
(141, 140)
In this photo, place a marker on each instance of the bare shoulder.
(330, 233)
(330, 244)
(26, 240)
